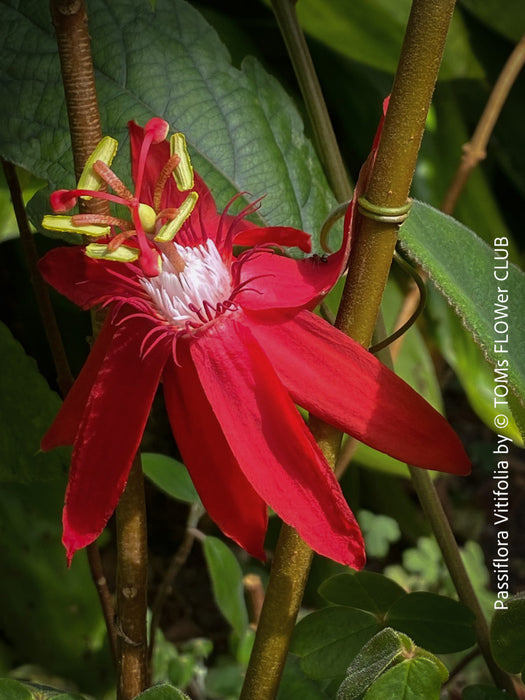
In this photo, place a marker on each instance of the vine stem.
(179, 559)
(372, 252)
(433, 509)
(326, 143)
(475, 150)
(69, 18)
(132, 570)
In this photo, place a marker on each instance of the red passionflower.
(235, 346)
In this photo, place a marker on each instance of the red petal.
(276, 282)
(276, 235)
(85, 281)
(66, 423)
(226, 494)
(109, 435)
(272, 444)
(334, 378)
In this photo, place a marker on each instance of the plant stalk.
(476, 149)
(433, 510)
(71, 27)
(370, 262)
(132, 569)
(326, 143)
(74, 47)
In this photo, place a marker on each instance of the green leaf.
(462, 266)
(226, 579)
(295, 684)
(162, 692)
(483, 692)
(244, 133)
(509, 23)
(437, 623)
(371, 32)
(327, 640)
(27, 409)
(507, 634)
(373, 659)
(364, 590)
(379, 532)
(29, 185)
(470, 365)
(56, 621)
(170, 476)
(13, 690)
(224, 680)
(412, 679)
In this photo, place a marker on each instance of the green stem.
(433, 510)
(372, 252)
(326, 143)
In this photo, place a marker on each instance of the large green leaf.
(295, 684)
(27, 409)
(507, 633)
(463, 267)
(327, 640)
(13, 690)
(226, 578)
(365, 590)
(244, 132)
(467, 360)
(371, 32)
(509, 23)
(162, 692)
(437, 623)
(373, 659)
(53, 619)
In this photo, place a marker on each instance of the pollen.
(197, 294)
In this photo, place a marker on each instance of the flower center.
(197, 294)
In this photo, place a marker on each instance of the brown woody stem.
(132, 569)
(71, 26)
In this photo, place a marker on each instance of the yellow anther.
(100, 251)
(170, 230)
(64, 223)
(183, 172)
(105, 151)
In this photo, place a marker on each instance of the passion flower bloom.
(234, 342)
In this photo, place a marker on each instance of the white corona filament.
(205, 278)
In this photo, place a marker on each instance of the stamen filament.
(101, 220)
(109, 177)
(165, 173)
